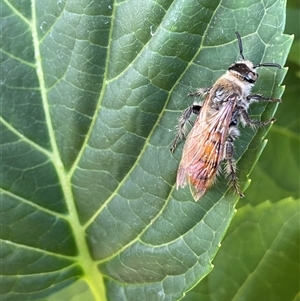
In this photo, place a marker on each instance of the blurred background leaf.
(259, 258)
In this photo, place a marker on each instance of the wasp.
(211, 139)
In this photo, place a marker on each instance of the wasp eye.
(251, 77)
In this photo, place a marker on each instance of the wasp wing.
(204, 148)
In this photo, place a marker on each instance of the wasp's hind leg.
(230, 163)
(182, 124)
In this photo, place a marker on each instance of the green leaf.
(90, 94)
(274, 178)
(259, 258)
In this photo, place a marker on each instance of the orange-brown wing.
(203, 150)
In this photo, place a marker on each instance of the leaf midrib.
(92, 275)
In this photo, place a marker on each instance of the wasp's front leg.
(200, 92)
(185, 118)
(182, 128)
(258, 97)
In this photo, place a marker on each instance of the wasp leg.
(246, 119)
(230, 163)
(258, 97)
(199, 92)
(181, 128)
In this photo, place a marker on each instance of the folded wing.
(204, 148)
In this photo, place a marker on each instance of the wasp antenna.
(267, 65)
(240, 44)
